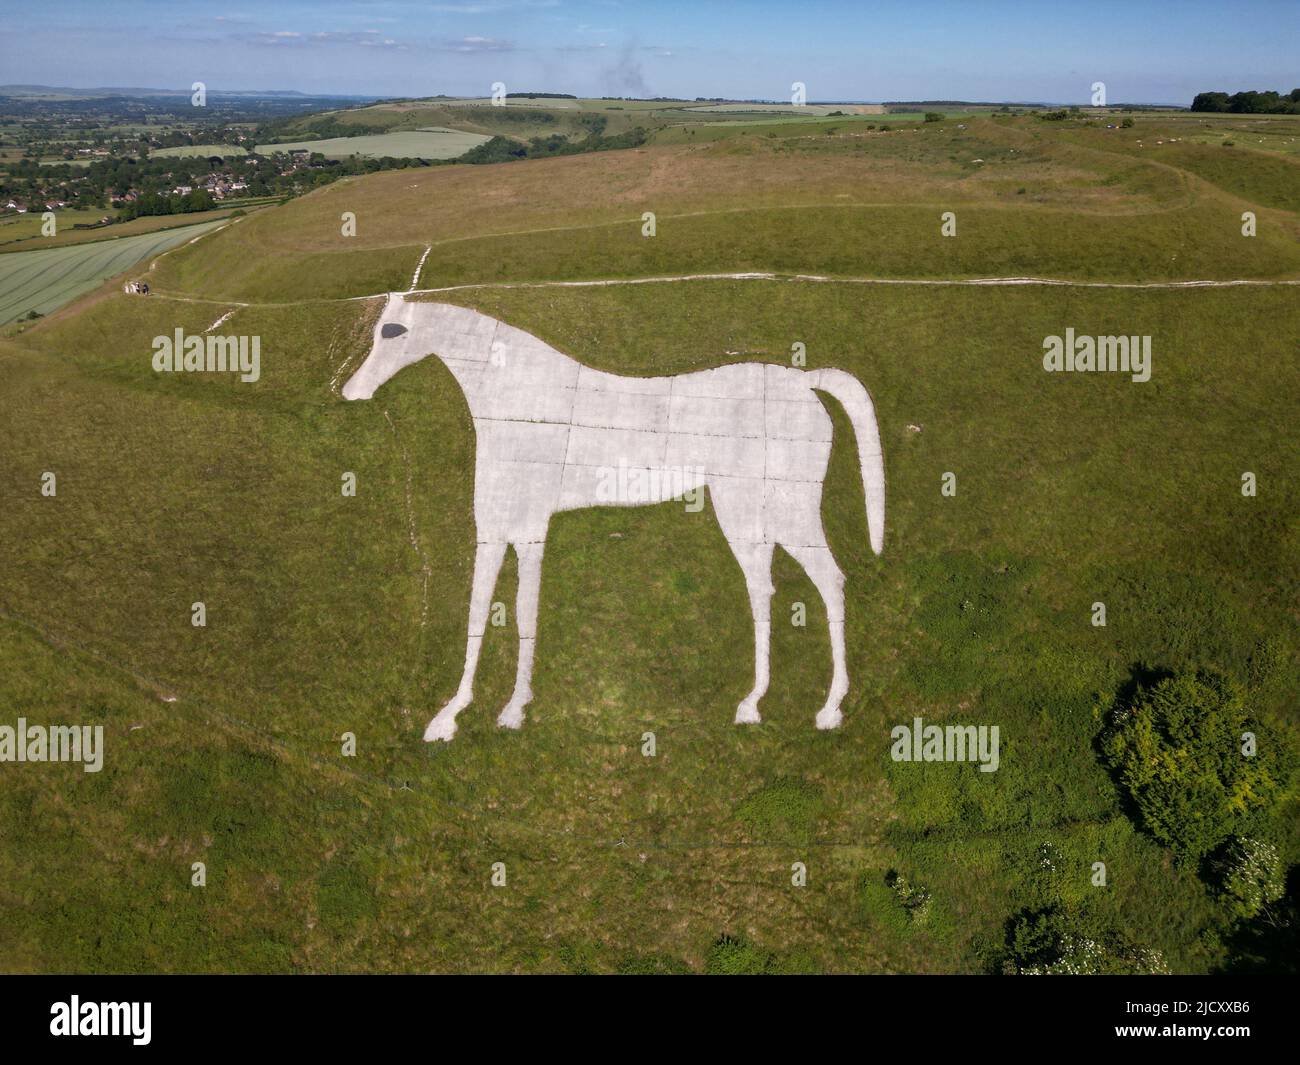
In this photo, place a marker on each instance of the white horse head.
(409, 330)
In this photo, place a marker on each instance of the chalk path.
(981, 282)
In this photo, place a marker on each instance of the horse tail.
(862, 413)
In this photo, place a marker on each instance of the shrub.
(1060, 942)
(1250, 875)
(1177, 751)
(784, 806)
(914, 900)
(731, 956)
(496, 150)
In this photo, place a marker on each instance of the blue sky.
(1053, 50)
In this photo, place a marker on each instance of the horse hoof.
(747, 713)
(828, 718)
(511, 717)
(440, 730)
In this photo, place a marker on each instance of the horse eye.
(392, 329)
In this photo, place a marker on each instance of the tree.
(1197, 768)
(1210, 101)
(1064, 941)
(1248, 103)
(1250, 875)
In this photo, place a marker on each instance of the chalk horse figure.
(554, 435)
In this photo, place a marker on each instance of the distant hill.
(67, 91)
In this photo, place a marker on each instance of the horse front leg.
(487, 564)
(530, 584)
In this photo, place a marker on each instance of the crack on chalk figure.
(550, 430)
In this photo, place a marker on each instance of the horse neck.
(522, 358)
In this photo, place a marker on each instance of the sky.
(870, 50)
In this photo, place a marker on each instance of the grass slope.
(329, 614)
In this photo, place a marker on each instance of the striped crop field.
(45, 280)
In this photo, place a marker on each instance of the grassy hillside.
(329, 614)
(1028, 201)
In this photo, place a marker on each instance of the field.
(66, 234)
(522, 119)
(43, 281)
(15, 228)
(411, 144)
(330, 614)
(198, 149)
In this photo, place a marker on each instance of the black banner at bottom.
(148, 1013)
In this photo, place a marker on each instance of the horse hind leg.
(756, 562)
(821, 567)
(738, 506)
(530, 583)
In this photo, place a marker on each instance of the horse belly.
(620, 467)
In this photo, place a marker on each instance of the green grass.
(1071, 489)
(182, 150)
(67, 234)
(414, 144)
(16, 227)
(1028, 201)
(329, 614)
(43, 281)
(847, 241)
(1271, 180)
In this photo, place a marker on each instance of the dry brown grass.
(893, 168)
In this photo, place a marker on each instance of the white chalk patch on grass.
(347, 359)
(781, 278)
(554, 435)
(977, 282)
(415, 277)
(224, 318)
